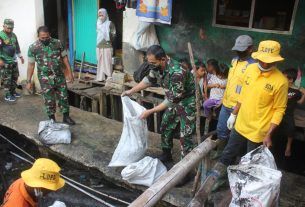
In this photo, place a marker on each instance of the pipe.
(155, 193)
(70, 29)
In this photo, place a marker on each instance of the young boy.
(295, 96)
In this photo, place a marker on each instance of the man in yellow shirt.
(261, 105)
(243, 47)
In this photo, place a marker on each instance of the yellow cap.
(268, 52)
(43, 174)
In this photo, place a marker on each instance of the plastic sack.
(133, 142)
(58, 204)
(255, 182)
(145, 172)
(51, 132)
(144, 37)
(259, 156)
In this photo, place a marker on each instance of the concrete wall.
(28, 16)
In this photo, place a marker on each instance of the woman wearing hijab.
(105, 34)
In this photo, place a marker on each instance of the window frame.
(250, 28)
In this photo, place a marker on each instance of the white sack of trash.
(51, 132)
(255, 181)
(144, 172)
(133, 142)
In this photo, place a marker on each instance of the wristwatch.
(28, 81)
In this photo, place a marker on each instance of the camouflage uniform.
(50, 74)
(179, 88)
(9, 49)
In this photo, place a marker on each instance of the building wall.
(198, 14)
(28, 16)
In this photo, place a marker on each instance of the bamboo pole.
(155, 193)
(198, 106)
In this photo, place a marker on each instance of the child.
(295, 96)
(201, 78)
(217, 83)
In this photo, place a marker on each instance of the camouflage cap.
(9, 23)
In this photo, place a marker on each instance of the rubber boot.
(166, 156)
(221, 178)
(67, 119)
(52, 117)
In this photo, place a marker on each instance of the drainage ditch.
(11, 167)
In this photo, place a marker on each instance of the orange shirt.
(17, 196)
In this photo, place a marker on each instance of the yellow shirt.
(263, 101)
(235, 79)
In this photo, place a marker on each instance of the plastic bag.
(133, 142)
(255, 182)
(58, 204)
(145, 172)
(51, 132)
(144, 37)
(259, 156)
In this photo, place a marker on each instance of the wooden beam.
(155, 193)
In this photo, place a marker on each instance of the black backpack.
(142, 71)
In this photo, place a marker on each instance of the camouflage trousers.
(9, 75)
(52, 90)
(179, 119)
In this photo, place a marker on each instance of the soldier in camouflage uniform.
(9, 50)
(50, 57)
(179, 103)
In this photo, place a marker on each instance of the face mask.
(155, 67)
(45, 42)
(264, 69)
(243, 54)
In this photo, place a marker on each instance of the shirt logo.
(268, 87)
(247, 81)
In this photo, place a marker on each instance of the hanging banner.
(155, 11)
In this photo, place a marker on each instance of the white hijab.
(103, 27)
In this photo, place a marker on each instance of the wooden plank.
(95, 106)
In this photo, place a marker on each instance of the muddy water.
(11, 167)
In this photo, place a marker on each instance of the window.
(273, 16)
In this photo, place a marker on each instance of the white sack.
(51, 132)
(255, 181)
(133, 142)
(145, 172)
(144, 37)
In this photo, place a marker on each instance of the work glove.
(58, 204)
(231, 121)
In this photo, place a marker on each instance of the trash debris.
(133, 142)
(51, 132)
(58, 204)
(145, 172)
(255, 181)
(8, 165)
